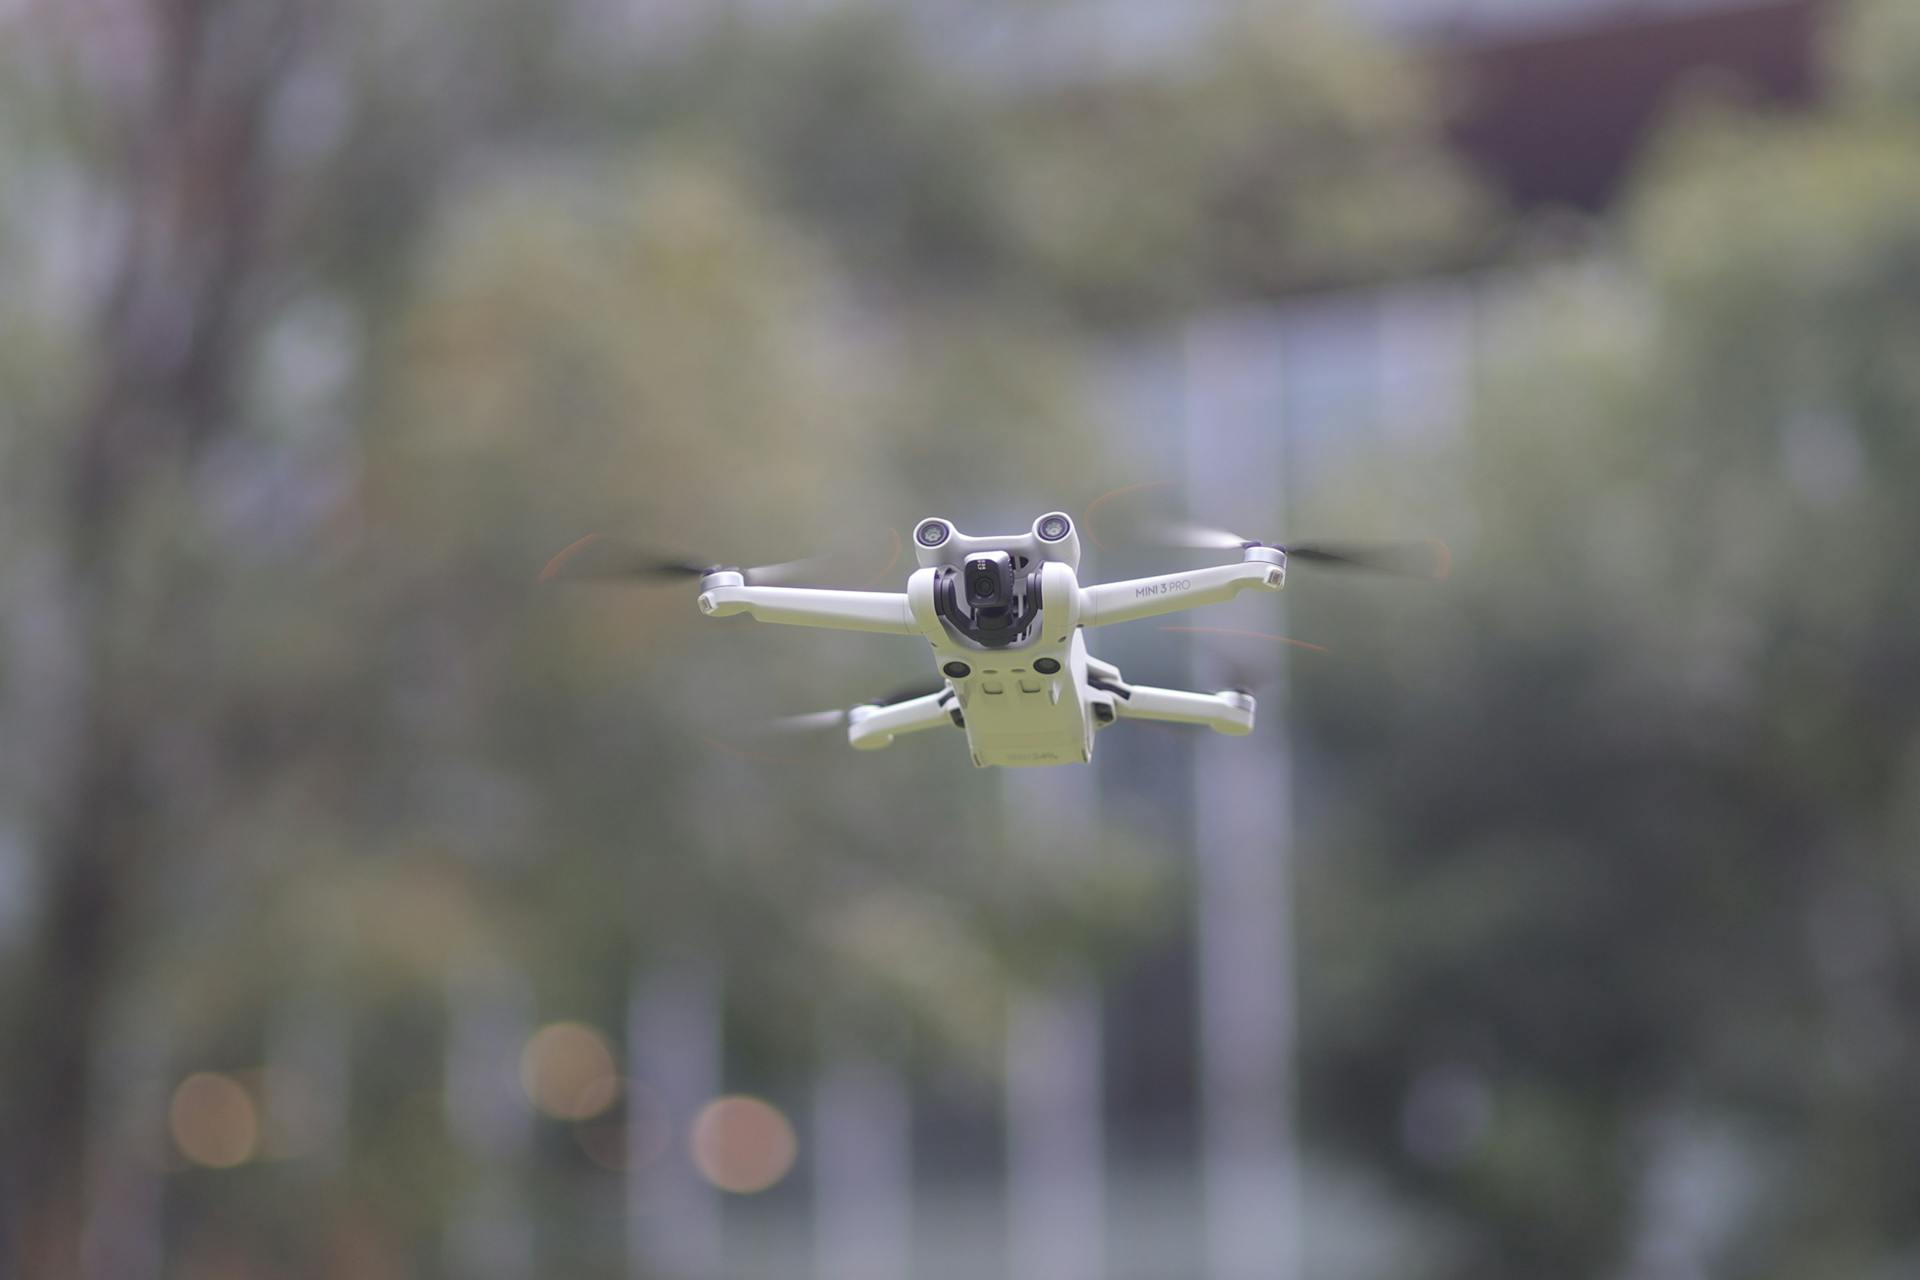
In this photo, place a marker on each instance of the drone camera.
(989, 581)
(993, 614)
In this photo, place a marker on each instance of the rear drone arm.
(1265, 568)
(725, 593)
(1228, 713)
(870, 728)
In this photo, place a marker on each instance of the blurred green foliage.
(1629, 841)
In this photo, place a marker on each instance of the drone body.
(1004, 618)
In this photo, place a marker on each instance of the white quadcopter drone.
(1004, 616)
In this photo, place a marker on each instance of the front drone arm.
(726, 593)
(1265, 568)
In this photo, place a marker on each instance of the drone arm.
(870, 728)
(1132, 598)
(1229, 713)
(885, 612)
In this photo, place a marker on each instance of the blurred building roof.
(1506, 19)
(1558, 117)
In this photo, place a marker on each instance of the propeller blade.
(600, 558)
(597, 557)
(1199, 537)
(1248, 635)
(786, 573)
(814, 721)
(1429, 560)
(1242, 667)
(809, 722)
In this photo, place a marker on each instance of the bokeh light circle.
(214, 1121)
(742, 1144)
(567, 1071)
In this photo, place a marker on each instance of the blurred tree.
(1291, 153)
(171, 118)
(1617, 913)
(864, 133)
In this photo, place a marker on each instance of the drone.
(1005, 617)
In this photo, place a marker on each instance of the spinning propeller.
(599, 558)
(1430, 560)
(817, 720)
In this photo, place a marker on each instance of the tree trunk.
(166, 352)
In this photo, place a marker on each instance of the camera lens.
(932, 533)
(1054, 528)
(988, 581)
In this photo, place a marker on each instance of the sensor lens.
(1046, 666)
(957, 670)
(932, 533)
(1054, 528)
